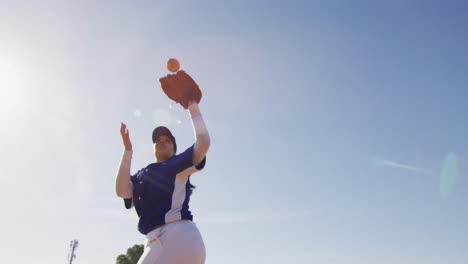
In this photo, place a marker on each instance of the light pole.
(73, 247)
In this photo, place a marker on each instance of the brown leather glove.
(181, 88)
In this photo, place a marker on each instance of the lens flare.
(448, 175)
(137, 113)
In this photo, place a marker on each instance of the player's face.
(163, 148)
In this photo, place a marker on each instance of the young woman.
(161, 191)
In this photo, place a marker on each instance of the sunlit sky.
(339, 130)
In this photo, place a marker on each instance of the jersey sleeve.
(201, 165)
(128, 203)
(184, 161)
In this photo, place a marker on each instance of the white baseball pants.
(174, 243)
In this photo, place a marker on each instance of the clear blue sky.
(338, 128)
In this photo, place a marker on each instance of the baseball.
(173, 65)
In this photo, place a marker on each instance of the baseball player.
(160, 192)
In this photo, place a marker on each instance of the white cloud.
(388, 163)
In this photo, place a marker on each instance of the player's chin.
(162, 150)
(164, 153)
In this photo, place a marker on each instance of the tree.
(122, 259)
(133, 255)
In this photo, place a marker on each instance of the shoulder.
(186, 155)
(140, 172)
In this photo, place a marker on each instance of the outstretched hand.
(125, 136)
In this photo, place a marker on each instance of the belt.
(158, 226)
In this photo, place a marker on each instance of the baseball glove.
(181, 88)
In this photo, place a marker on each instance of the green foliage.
(122, 259)
(133, 255)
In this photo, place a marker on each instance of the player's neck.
(162, 158)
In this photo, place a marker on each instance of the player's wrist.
(192, 106)
(128, 151)
(193, 109)
(127, 154)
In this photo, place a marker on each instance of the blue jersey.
(161, 191)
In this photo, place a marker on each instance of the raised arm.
(123, 185)
(202, 137)
(181, 88)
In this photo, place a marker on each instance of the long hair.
(191, 188)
